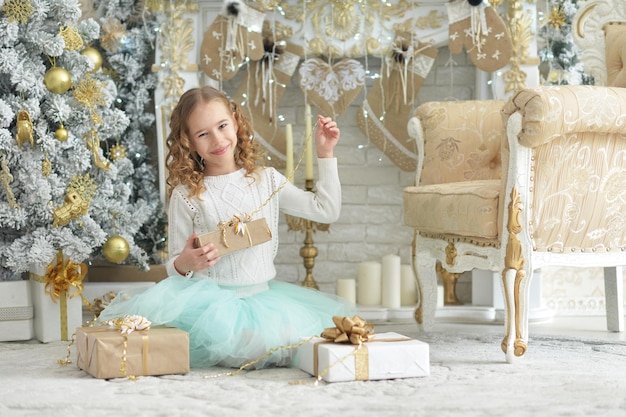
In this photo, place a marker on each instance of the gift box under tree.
(129, 350)
(56, 293)
(16, 311)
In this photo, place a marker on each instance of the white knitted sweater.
(233, 193)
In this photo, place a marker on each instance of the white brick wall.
(370, 225)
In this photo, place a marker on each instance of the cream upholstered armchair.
(559, 197)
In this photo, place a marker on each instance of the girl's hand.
(326, 136)
(196, 259)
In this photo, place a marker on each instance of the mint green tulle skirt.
(229, 329)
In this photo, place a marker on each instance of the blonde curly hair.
(184, 165)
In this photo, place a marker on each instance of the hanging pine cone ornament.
(61, 133)
(94, 56)
(116, 249)
(58, 80)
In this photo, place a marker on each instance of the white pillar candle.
(391, 281)
(369, 284)
(440, 295)
(289, 152)
(408, 286)
(308, 136)
(346, 288)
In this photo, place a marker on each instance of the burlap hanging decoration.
(385, 113)
(475, 25)
(234, 36)
(331, 87)
(261, 91)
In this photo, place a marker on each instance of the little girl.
(232, 307)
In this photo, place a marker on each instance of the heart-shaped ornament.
(331, 88)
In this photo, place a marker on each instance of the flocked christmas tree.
(559, 54)
(59, 108)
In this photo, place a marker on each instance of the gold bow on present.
(239, 225)
(354, 330)
(62, 276)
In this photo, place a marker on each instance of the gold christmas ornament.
(89, 93)
(6, 178)
(117, 152)
(72, 39)
(58, 80)
(79, 194)
(18, 10)
(113, 32)
(94, 56)
(24, 129)
(46, 167)
(61, 133)
(116, 249)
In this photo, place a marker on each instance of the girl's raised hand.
(326, 136)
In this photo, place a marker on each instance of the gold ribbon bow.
(239, 225)
(62, 276)
(354, 330)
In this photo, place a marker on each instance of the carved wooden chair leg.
(449, 280)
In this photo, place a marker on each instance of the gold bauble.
(94, 55)
(58, 80)
(116, 249)
(61, 133)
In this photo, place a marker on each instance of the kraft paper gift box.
(236, 235)
(157, 351)
(16, 311)
(387, 356)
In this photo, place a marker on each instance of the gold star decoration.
(18, 10)
(557, 18)
(72, 39)
(89, 93)
(117, 152)
(113, 32)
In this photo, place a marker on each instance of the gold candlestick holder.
(308, 252)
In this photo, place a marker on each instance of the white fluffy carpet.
(469, 377)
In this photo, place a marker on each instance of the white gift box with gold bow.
(16, 311)
(385, 356)
(57, 299)
(53, 321)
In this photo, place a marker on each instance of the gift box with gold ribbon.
(16, 311)
(352, 352)
(57, 301)
(106, 353)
